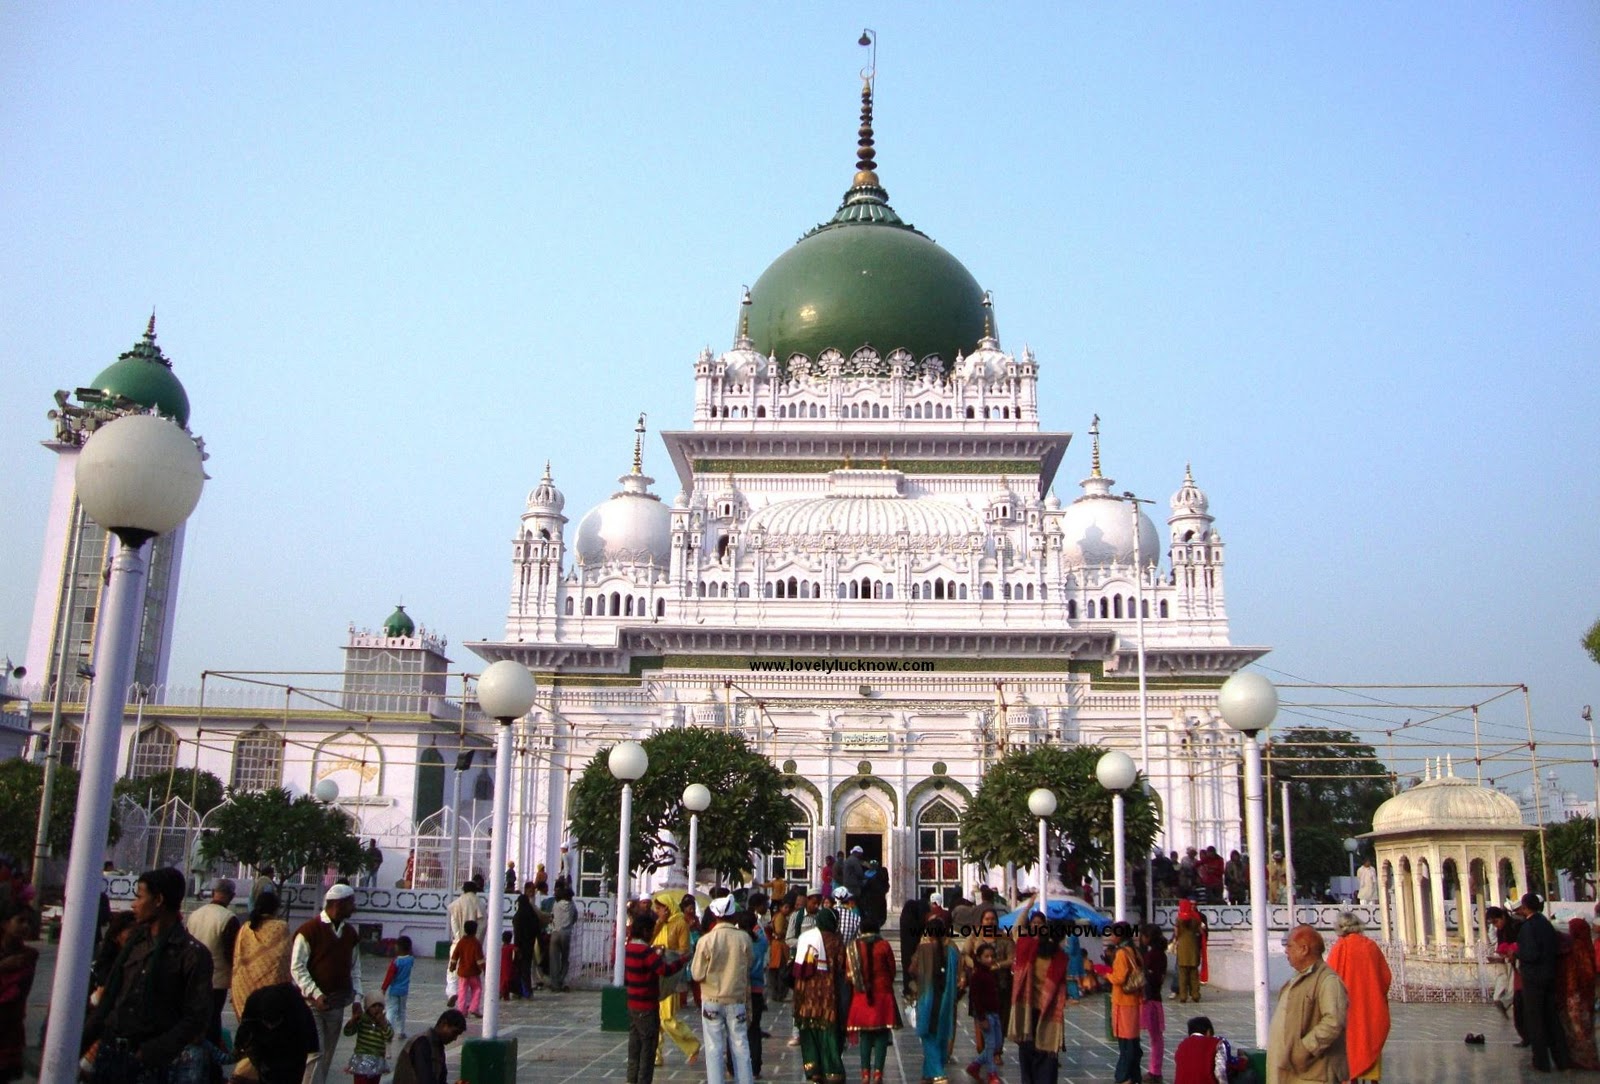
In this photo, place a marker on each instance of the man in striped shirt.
(644, 966)
(849, 914)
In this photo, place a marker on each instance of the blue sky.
(1344, 260)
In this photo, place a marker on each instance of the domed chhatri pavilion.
(1425, 839)
(867, 572)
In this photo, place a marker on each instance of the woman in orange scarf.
(1358, 961)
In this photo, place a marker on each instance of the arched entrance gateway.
(1435, 846)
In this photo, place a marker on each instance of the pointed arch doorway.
(866, 825)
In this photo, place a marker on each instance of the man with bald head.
(1306, 1045)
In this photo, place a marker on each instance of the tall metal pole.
(621, 946)
(1288, 858)
(1256, 839)
(1551, 889)
(694, 851)
(497, 880)
(1594, 758)
(1144, 700)
(1044, 871)
(117, 638)
(455, 825)
(52, 756)
(1119, 856)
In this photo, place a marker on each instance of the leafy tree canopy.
(1571, 848)
(21, 787)
(997, 827)
(274, 828)
(749, 810)
(1591, 642)
(1336, 784)
(202, 790)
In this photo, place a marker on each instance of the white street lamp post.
(696, 799)
(505, 693)
(1248, 702)
(627, 761)
(1144, 693)
(1042, 804)
(1288, 857)
(1351, 846)
(1116, 772)
(139, 476)
(1594, 758)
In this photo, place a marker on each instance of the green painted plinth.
(489, 1061)
(614, 1008)
(1258, 1062)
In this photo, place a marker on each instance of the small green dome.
(144, 376)
(865, 278)
(399, 624)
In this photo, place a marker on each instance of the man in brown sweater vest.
(325, 966)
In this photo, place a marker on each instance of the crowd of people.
(1546, 983)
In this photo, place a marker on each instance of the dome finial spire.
(638, 445)
(1094, 461)
(866, 163)
(150, 328)
(744, 316)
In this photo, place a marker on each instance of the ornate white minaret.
(537, 555)
(1196, 552)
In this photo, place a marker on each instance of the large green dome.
(144, 376)
(866, 280)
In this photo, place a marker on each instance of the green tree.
(1591, 642)
(203, 791)
(1571, 844)
(21, 787)
(274, 828)
(997, 827)
(1336, 784)
(749, 810)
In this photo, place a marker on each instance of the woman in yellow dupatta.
(672, 935)
(260, 953)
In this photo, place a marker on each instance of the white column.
(497, 881)
(1436, 864)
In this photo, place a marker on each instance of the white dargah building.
(866, 562)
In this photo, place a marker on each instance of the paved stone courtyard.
(560, 1041)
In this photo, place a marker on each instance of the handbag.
(1133, 981)
(674, 983)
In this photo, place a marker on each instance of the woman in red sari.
(1576, 993)
(874, 1009)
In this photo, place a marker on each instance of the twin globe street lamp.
(696, 799)
(505, 693)
(138, 476)
(1116, 772)
(1248, 703)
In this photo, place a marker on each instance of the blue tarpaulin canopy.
(1059, 909)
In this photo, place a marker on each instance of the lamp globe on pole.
(326, 791)
(1042, 804)
(1116, 772)
(1352, 847)
(696, 799)
(505, 693)
(1248, 703)
(138, 476)
(626, 761)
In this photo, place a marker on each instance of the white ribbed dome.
(1448, 802)
(545, 496)
(1097, 529)
(1190, 500)
(633, 527)
(878, 517)
(987, 362)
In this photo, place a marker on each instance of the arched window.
(1030, 592)
(761, 412)
(792, 586)
(766, 590)
(1072, 609)
(744, 590)
(938, 589)
(938, 848)
(916, 592)
(67, 747)
(155, 752)
(616, 604)
(257, 760)
(430, 784)
(963, 593)
(661, 607)
(1116, 605)
(569, 607)
(888, 590)
(1163, 610)
(855, 589)
(1144, 607)
(816, 589)
(1104, 608)
(988, 592)
(627, 606)
(588, 607)
(970, 412)
(639, 606)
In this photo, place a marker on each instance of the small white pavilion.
(1423, 839)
